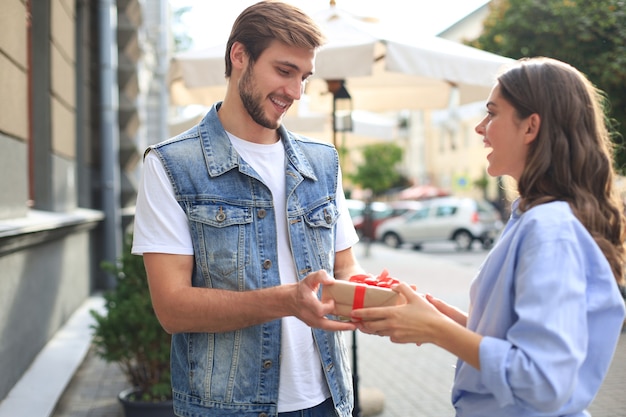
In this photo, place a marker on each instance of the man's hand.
(311, 310)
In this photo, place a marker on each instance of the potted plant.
(129, 334)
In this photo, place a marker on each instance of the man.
(240, 222)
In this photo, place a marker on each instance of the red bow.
(383, 280)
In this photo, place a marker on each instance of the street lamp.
(342, 108)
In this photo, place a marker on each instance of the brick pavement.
(413, 381)
(93, 390)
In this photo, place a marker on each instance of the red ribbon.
(382, 281)
(359, 297)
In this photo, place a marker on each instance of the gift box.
(361, 291)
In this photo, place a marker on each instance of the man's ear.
(238, 55)
(533, 123)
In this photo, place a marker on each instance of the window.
(445, 211)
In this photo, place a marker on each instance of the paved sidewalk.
(412, 381)
(93, 390)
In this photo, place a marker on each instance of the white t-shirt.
(159, 221)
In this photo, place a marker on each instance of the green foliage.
(378, 171)
(590, 35)
(482, 183)
(180, 32)
(129, 333)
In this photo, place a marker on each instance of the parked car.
(402, 206)
(355, 207)
(380, 211)
(462, 220)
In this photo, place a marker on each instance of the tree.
(180, 32)
(590, 35)
(378, 171)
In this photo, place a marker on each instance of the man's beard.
(252, 102)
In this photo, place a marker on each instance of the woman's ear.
(533, 123)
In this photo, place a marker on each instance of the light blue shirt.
(550, 310)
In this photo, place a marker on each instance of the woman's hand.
(413, 322)
(423, 319)
(454, 313)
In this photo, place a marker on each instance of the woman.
(545, 309)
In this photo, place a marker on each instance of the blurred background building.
(84, 87)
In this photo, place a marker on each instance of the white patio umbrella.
(382, 71)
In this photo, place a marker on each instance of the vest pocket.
(318, 236)
(220, 233)
(220, 215)
(324, 216)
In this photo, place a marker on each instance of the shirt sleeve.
(160, 223)
(538, 362)
(346, 236)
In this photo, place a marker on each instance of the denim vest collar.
(222, 157)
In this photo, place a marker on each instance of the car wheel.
(487, 243)
(417, 246)
(463, 239)
(392, 239)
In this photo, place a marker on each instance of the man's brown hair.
(266, 21)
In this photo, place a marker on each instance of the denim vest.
(232, 224)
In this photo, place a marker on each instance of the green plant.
(590, 35)
(379, 172)
(129, 333)
(482, 183)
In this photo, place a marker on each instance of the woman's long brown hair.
(572, 157)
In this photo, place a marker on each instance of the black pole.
(336, 87)
(334, 121)
(368, 225)
(356, 412)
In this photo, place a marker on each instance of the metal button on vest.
(263, 415)
(327, 217)
(267, 264)
(267, 364)
(262, 213)
(220, 216)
